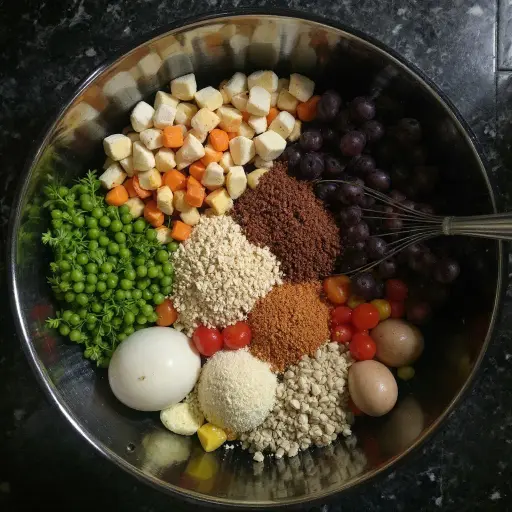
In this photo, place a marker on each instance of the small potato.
(399, 343)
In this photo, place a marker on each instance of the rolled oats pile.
(219, 275)
(311, 406)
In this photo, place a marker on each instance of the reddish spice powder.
(284, 214)
(291, 321)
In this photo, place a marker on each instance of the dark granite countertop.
(48, 47)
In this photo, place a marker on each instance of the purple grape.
(353, 258)
(386, 153)
(446, 270)
(394, 224)
(363, 285)
(427, 261)
(352, 143)
(408, 131)
(379, 289)
(311, 166)
(325, 191)
(397, 196)
(387, 268)
(351, 215)
(292, 155)
(351, 193)
(330, 136)
(373, 130)
(414, 250)
(378, 180)
(362, 109)
(399, 174)
(354, 245)
(343, 122)
(333, 167)
(367, 201)
(328, 106)
(361, 165)
(358, 233)
(376, 247)
(416, 155)
(425, 177)
(311, 140)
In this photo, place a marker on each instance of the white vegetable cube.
(127, 165)
(164, 199)
(164, 116)
(209, 98)
(133, 136)
(236, 182)
(259, 101)
(301, 87)
(163, 235)
(200, 136)
(117, 146)
(230, 118)
(165, 160)
(107, 163)
(297, 130)
(225, 97)
(242, 149)
(205, 120)
(164, 98)
(136, 206)
(246, 131)
(269, 145)
(239, 101)
(150, 180)
(264, 164)
(184, 87)
(113, 176)
(266, 79)
(287, 102)
(226, 161)
(258, 123)
(220, 201)
(184, 113)
(191, 150)
(283, 83)
(213, 177)
(273, 98)
(142, 116)
(283, 124)
(191, 216)
(237, 84)
(179, 201)
(152, 138)
(253, 178)
(143, 158)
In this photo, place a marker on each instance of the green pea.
(64, 286)
(96, 307)
(102, 276)
(105, 221)
(113, 248)
(130, 274)
(123, 209)
(154, 288)
(69, 297)
(93, 245)
(86, 205)
(129, 330)
(142, 271)
(79, 221)
(167, 269)
(57, 223)
(82, 312)
(162, 256)
(90, 288)
(92, 268)
(106, 267)
(75, 335)
(64, 265)
(120, 237)
(82, 259)
(166, 281)
(151, 235)
(112, 212)
(126, 284)
(66, 315)
(153, 317)
(152, 272)
(56, 214)
(139, 260)
(147, 294)
(128, 294)
(112, 281)
(66, 277)
(101, 286)
(92, 278)
(64, 330)
(112, 259)
(82, 299)
(93, 233)
(91, 319)
(121, 336)
(136, 294)
(141, 284)
(146, 310)
(128, 229)
(97, 212)
(141, 319)
(77, 275)
(75, 319)
(166, 290)
(119, 295)
(91, 222)
(126, 218)
(63, 191)
(139, 226)
(103, 240)
(124, 253)
(129, 318)
(158, 298)
(89, 326)
(116, 226)
(173, 246)
(78, 287)
(85, 197)
(150, 263)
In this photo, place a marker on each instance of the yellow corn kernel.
(211, 437)
(354, 301)
(405, 372)
(202, 466)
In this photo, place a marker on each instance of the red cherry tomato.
(237, 336)
(207, 340)
(342, 333)
(365, 316)
(337, 289)
(362, 347)
(341, 315)
(396, 289)
(397, 309)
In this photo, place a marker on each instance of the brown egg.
(372, 387)
(399, 343)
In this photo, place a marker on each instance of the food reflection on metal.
(163, 449)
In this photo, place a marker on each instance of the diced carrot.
(128, 185)
(117, 196)
(211, 155)
(173, 137)
(141, 192)
(307, 111)
(245, 116)
(180, 231)
(195, 195)
(219, 140)
(167, 313)
(175, 180)
(197, 170)
(193, 182)
(232, 135)
(272, 115)
(153, 215)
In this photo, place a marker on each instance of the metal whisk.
(407, 226)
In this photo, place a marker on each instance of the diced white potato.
(220, 201)
(112, 177)
(152, 138)
(283, 124)
(107, 163)
(213, 177)
(230, 118)
(164, 199)
(182, 164)
(287, 102)
(164, 116)
(143, 158)
(190, 217)
(150, 180)
(191, 150)
(226, 161)
(273, 98)
(297, 130)
(164, 98)
(209, 98)
(165, 160)
(242, 149)
(184, 87)
(200, 136)
(179, 202)
(117, 146)
(258, 123)
(266, 79)
(225, 96)
(283, 83)
(259, 101)
(237, 84)
(163, 235)
(205, 120)
(127, 165)
(239, 101)
(269, 145)
(253, 178)
(182, 419)
(301, 87)
(246, 131)
(184, 113)
(136, 206)
(265, 164)
(236, 182)
(133, 136)
(142, 116)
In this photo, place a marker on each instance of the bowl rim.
(41, 143)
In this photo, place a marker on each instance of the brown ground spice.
(284, 214)
(291, 321)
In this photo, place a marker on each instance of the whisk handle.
(495, 226)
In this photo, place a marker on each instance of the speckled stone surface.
(48, 47)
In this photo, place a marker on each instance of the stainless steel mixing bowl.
(213, 47)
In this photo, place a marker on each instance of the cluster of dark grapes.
(352, 142)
